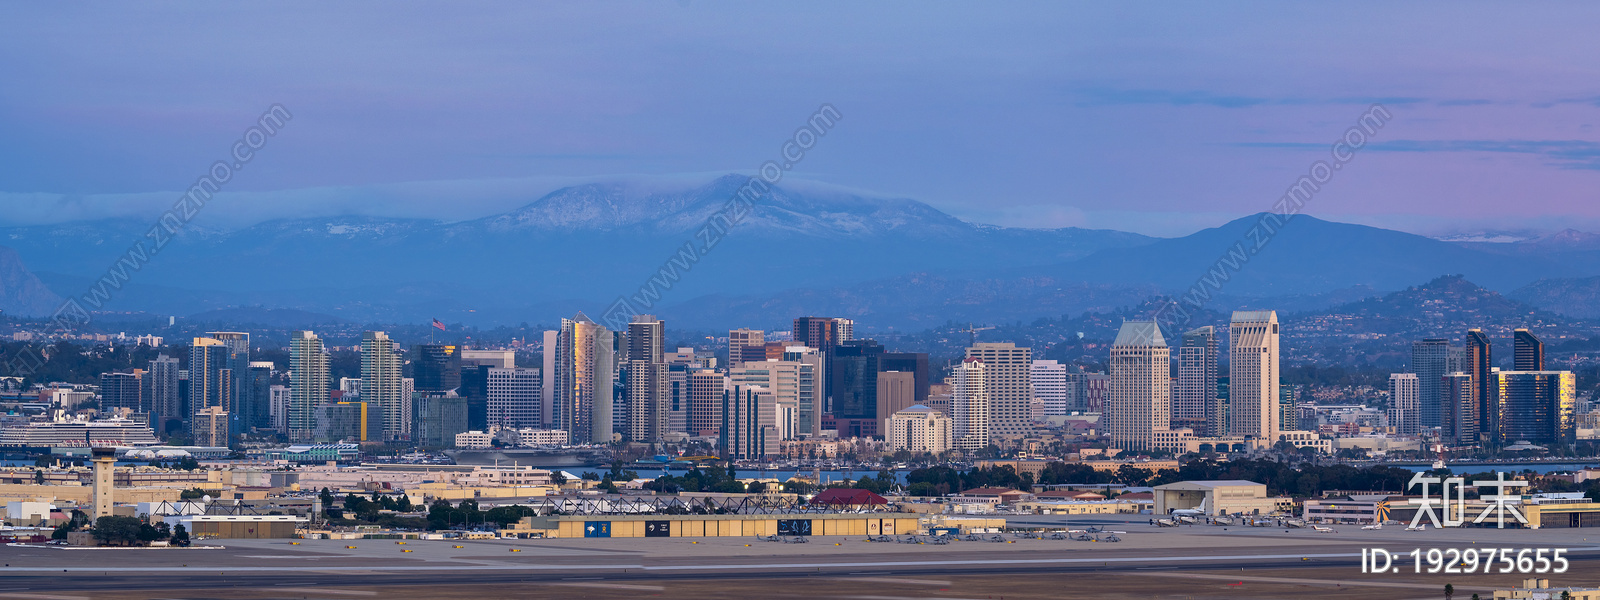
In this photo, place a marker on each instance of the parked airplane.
(1166, 523)
(1321, 529)
(1199, 511)
(1373, 526)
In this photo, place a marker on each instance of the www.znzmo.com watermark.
(1177, 314)
(72, 312)
(717, 226)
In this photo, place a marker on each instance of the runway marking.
(613, 586)
(902, 598)
(1344, 582)
(317, 590)
(897, 580)
(43, 596)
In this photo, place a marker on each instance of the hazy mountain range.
(805, 249)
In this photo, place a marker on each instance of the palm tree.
(1449, 591)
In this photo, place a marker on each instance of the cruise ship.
(55, 434)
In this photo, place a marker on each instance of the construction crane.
(973, 331)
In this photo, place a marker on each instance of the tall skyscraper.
(210, 376)
(1529, 351)
(915, 363)
(1538, 407)
(547, 383)
(1477, 365)
(704, 397)
(584, 380)
(813, 387)
(1049, 380)
(853, 371)
(1194, 400)
(649, 381)
(1404, 405)
(896, 392)
(512, 397)
(1140, 394)
(161, 392)
(822, 332)
(1008, 383)
(1429, 359)
(739, 339)
(122, 390)
(255, 396)
(436, 367)
(238, 366)
(1253, 374)
(970, 402)
(749, 426)
(380, 384)
(1458, 409)
(781, 379)
(308, 383)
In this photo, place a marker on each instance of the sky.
(1160, 118)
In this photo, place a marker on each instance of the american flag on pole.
(439, 325)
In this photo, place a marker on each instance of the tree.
(180, 535)
(38, 477)
(1449, 591)
(117, 531)
(192, 494)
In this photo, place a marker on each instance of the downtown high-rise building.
(255, 396)
(1007, 381)
(210, 374)
(782, 379)
(853, 379)
(1194, 396)
(1527, 350)
(162, 395)
(238, 364)
(1478, 364)
(1139, 401)
(381, 386)
(739, 339)
(1253, 374)
(1429, 360)
(649, 381)
(584, 374)
(703, 397)
(511, 397)
(813, 387)
(1049, 379)
(1458, 409)
(123, 390)
(436, 367)
(823, 333)
(970, 404)
(308, 383)
(1537, 407)
(1404, 406)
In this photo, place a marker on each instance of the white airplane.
(1199, 511)
(1373, 526)
(1222, 521)
(1418, 527)
(1166, 523)
(1321, 529)
(1185, 519)
(1296, 523)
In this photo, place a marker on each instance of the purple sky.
(1160, 119)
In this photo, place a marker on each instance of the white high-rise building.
(1253, 374)
(970, 402)
(380, 383)
(514, 397)
(739, 339)
(1139, 397)
(918, 429)
(1405, 403)
(278, 406)
(1194, 398)
(308, 379)
(1050, 386)
(1008, 382)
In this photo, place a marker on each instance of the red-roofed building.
(1068, 495)
(848, 498)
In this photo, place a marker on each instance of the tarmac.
(1197, 561)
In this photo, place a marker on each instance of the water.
(1507, 468)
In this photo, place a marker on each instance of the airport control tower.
(105, 461)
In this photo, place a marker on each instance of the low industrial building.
(1539, 589)
(656, 525)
